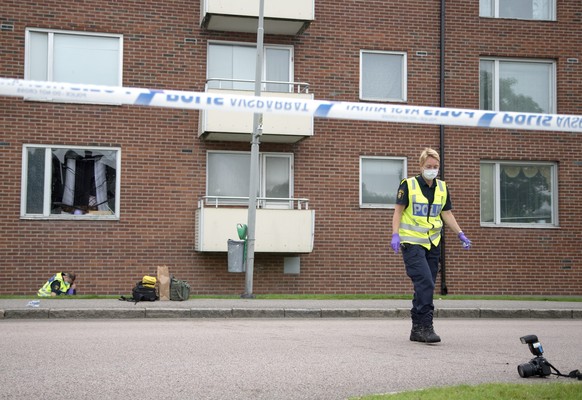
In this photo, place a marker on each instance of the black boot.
(416, 333)
(424, 334)
(429, 334)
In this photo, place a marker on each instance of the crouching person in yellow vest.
(59, 283)
(422, 204)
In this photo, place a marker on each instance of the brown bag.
(164, 282)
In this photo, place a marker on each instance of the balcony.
(280, 17)
(278, 230)
(238, 126)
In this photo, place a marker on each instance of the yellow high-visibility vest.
(45, 290)
(419, 225)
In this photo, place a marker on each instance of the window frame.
(47, 192)
(50, 57)
(403, 82)
(264, 83)
(263, 180)
(494, 12)
(404, 161)
(243, 201)
(552, 97)
(497, 223)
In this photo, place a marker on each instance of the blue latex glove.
(395, 243)
(464, 241)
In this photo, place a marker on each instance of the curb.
(207, 313)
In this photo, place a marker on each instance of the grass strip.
(498, 391)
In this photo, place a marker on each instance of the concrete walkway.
(51, 308)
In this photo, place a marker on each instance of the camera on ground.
(537, 366)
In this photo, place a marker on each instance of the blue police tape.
(70, 92)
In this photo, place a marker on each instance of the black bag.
(144, 293)
(141, 292)
(179, 290)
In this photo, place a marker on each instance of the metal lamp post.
(254, 170)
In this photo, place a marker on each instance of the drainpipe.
(444, 289)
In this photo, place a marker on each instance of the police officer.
(59, 283)
(422, 204)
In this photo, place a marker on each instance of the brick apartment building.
(111, 191)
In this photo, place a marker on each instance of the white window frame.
(403, 82)
(46, 213)
(496, 89)
(497, 195)
(243, 200)
(493, 10)
(50, 56)
(392, 188)
(263, 180)
(264, 84)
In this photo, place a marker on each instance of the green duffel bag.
(179, 290)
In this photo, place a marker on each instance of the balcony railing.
(262, 202)
(266, 86)
(283, 225)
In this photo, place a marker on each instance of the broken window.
(61, 181)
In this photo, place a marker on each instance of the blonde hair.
(426, 153)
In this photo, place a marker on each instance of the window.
(228, 178)
(517, 85)
(233, 66)
(519, 9)
(382, 76)
(379, 180)
(65, 182)
(519, 194)
(74, 57)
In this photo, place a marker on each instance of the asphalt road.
(266, 358)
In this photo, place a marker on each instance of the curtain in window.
(86, 59)
(38, 53)
(100, 186)
(231, 62)
(277, 69)
(382, 76)
(526, 194)
(525, 9)
(70, 178)
(85, 182)
(228, 62)
(515, 9)
(487, 192)
(228, 174)
(542, 9)
(379, 180)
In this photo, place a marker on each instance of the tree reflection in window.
(512, 101)
(508, 98)
(518, 86)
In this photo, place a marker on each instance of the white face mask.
(430, 174)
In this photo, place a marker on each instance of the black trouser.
(421, 267)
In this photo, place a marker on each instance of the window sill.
(520, 226)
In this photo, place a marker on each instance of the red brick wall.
(510, 260)
(163, 161)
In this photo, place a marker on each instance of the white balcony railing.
(287, 227)
(249, 84)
